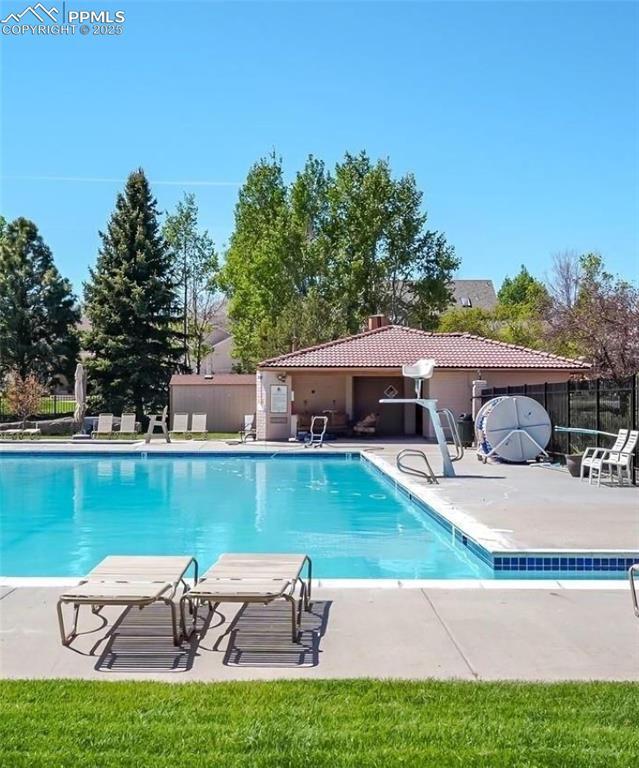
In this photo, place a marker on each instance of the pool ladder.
(454, 432)
(429, 475)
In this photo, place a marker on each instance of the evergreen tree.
(131, 304)
(38, 311)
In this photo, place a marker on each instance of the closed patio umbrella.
(80, 393)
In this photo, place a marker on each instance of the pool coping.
(488, 545)
(40, 582)
(483, 542)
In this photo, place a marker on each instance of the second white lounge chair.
(593, 455)
(621, 462)
(198, 426)
(104, 427)
(127, 424)
(180, 424)
(253, 578)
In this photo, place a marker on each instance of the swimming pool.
(60, 515)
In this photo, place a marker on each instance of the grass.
(336, 724)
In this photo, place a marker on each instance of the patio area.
(484, 633)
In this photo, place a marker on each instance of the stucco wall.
(271, 426)
(224, 405)
(315, 393)
(220, 360)
(453, 389)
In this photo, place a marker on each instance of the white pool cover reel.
(512, 428)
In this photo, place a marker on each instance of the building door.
(368, 391)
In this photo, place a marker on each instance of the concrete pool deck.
(471, 634)
(475, 630)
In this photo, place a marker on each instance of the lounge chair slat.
(106, 591)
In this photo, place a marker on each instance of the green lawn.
(321, 723)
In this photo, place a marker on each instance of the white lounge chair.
(138, 581)
(315, 437)
(621, 462)
(127, 424)
(31, 433)
(105, 426)
(253, 578)
(248, 428)
(592, 453)
(198, 426)
(180, 424)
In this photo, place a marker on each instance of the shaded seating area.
(614, 463)
(337, 424)
(367, 426)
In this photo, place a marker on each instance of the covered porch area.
(345, 397)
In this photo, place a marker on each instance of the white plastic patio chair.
(105, 425)
(180, 424)
(248, 428)
(593, 454)
(622, 461)
(198, 425)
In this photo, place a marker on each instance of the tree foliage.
(309, 261)
(132, 307)
(23, 394)
(517, 318)
(38, 311)
(594, 314)
(197, 265)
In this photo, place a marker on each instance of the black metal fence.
(51, 406)
(600, 404)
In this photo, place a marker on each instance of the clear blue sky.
(519, 120)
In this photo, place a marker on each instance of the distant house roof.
(474, 293)
(394, 345)
(195, 380)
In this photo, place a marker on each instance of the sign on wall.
(279, 398)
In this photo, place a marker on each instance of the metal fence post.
(545, 395)
(597, 410)
(568, 413)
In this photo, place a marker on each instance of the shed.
(224, 397)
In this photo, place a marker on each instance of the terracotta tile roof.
(394, 345)
(194, 380)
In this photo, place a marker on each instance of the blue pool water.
(59, 516)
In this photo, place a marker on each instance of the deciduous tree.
(23, 395)
(197, 267)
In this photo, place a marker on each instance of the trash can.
(466, 429)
